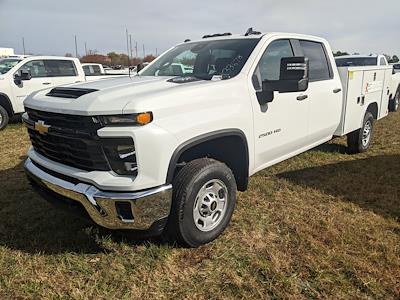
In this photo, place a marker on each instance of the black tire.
(359, 141)
(4, 118)
(188, 183)
(394, 102)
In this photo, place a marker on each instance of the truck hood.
(111, 95)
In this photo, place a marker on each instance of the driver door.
(280, 126)
(40, 80)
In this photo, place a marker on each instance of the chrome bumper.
(147, 207)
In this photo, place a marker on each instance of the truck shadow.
(29, 223)
(331, 148)
(372, 183)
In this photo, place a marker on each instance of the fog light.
(121, 155)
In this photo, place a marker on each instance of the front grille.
(71, 140)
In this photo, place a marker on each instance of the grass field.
(321, 225)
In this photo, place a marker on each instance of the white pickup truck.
(375, 60)
(20, 76)
(167, 154)
(95, 71)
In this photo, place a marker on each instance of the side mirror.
(294, 74)
(140, 67)
(393, 71)
(293, 77)
(22, 75)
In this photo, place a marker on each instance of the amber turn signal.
(144, 118)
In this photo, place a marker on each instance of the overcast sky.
(48, 26)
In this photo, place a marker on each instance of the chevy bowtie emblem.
(41, 127)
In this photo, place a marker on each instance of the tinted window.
(7, 64)
(92, 70)
(397, 67)
(356, 61)
(270, 62)
(319, 67)
(36, 68)
(96, 70)
(60, 68)
(382, 62)
(86, 70)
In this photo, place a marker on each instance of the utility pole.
(23, 44)
(144, 52)
(127, 44)
(130, 45)
(76, 47)
(136, 50)
(86, 49)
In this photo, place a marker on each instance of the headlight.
(125, 120)
(121, 155)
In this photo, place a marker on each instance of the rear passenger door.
(324, 92)
(62, 71)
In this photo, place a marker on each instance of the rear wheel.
(359, 141)
(204, 197)
(394, 103)
(4, 118)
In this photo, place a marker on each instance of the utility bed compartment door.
(362, 86)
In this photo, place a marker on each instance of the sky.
(49, 26)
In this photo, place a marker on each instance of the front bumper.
(109, 209)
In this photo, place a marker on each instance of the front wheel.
(4, 118)
(359, 141)
(204, 197)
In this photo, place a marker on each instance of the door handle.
(335, 91)
(302, 97)
(46, 83)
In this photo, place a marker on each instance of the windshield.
(356, 61)
(204, 60)
(7, 64)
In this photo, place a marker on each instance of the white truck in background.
(5, 52)
(166, 152)
(375, 60)
(94, 71)
(20, 76)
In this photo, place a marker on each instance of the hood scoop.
(72, 93)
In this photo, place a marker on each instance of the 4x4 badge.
(41, 127)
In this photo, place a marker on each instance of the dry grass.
(321, 225)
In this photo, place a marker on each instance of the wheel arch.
(228, 146)
(6, 103)
(373, 109)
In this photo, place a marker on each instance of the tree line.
(113, 58)
(390, 58)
